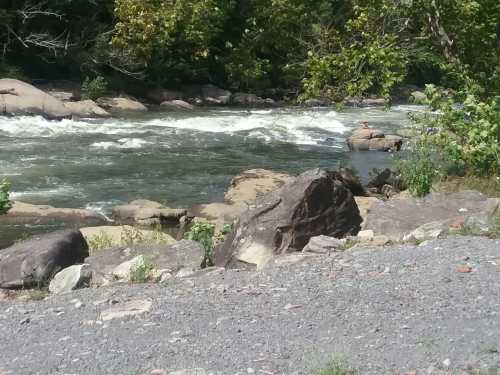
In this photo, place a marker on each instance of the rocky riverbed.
(431, 309)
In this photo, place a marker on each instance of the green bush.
(142, 272)
(204, 234)
(5, 203)
(94, 88)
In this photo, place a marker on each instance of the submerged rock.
(19, 98)
(313, 204)
(35, 261)
(177, 105)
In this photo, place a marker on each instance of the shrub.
(205, 234)
(142, 272)
(94, 88)
(5, 203)
(418, 169)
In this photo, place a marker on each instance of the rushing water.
(177, 158)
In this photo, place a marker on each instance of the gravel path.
(390, 310)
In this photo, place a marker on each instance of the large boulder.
(182, 254)
(313, 204)
(366, 138)
(19, 98)
(177, 105)
(159, 95)
(253, 183)
(250, 100)
(36, 261)
(212, 94)
(86, 108)
(146, 212)
(243, 190)
(121, 105)
(400, 216)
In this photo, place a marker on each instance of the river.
(177, 158)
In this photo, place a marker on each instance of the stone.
(244, 99)
(127, 309)
(365, 235)
(364, 205)
(35, 261)
(123, 270)
(315, 203)
(184, 253)
(428, 231)
(351, 181)
(380, 240)
(401, 215)
(147, 212)
(366, 138)
(177, 105)
(160, 95)
(121, 105)
(318, 102)
(86, 108)
(19, 98)
(215, 95)
(323, 244)
(253, 183)
(386, 177)
(71, 278)
(26, 210)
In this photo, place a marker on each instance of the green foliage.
(336, 368)
(94, 88)
(203, 233)
(467, 132)
(418, 169)
(5, 203)
(10, 71)
(141, 272)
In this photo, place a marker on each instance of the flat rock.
(401, 215)
(121, 104)
(35, 261)
(254, 183)
(323, 244)
(146, 212)
(26, 210)
(127, 309)
(117, 235)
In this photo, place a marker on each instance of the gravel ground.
(392, 310)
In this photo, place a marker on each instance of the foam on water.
(285, 126)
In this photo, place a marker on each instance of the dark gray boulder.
(36, 261)
(315, 203)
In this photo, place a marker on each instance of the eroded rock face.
(315, 203)
(19, 98)
(37, 260)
